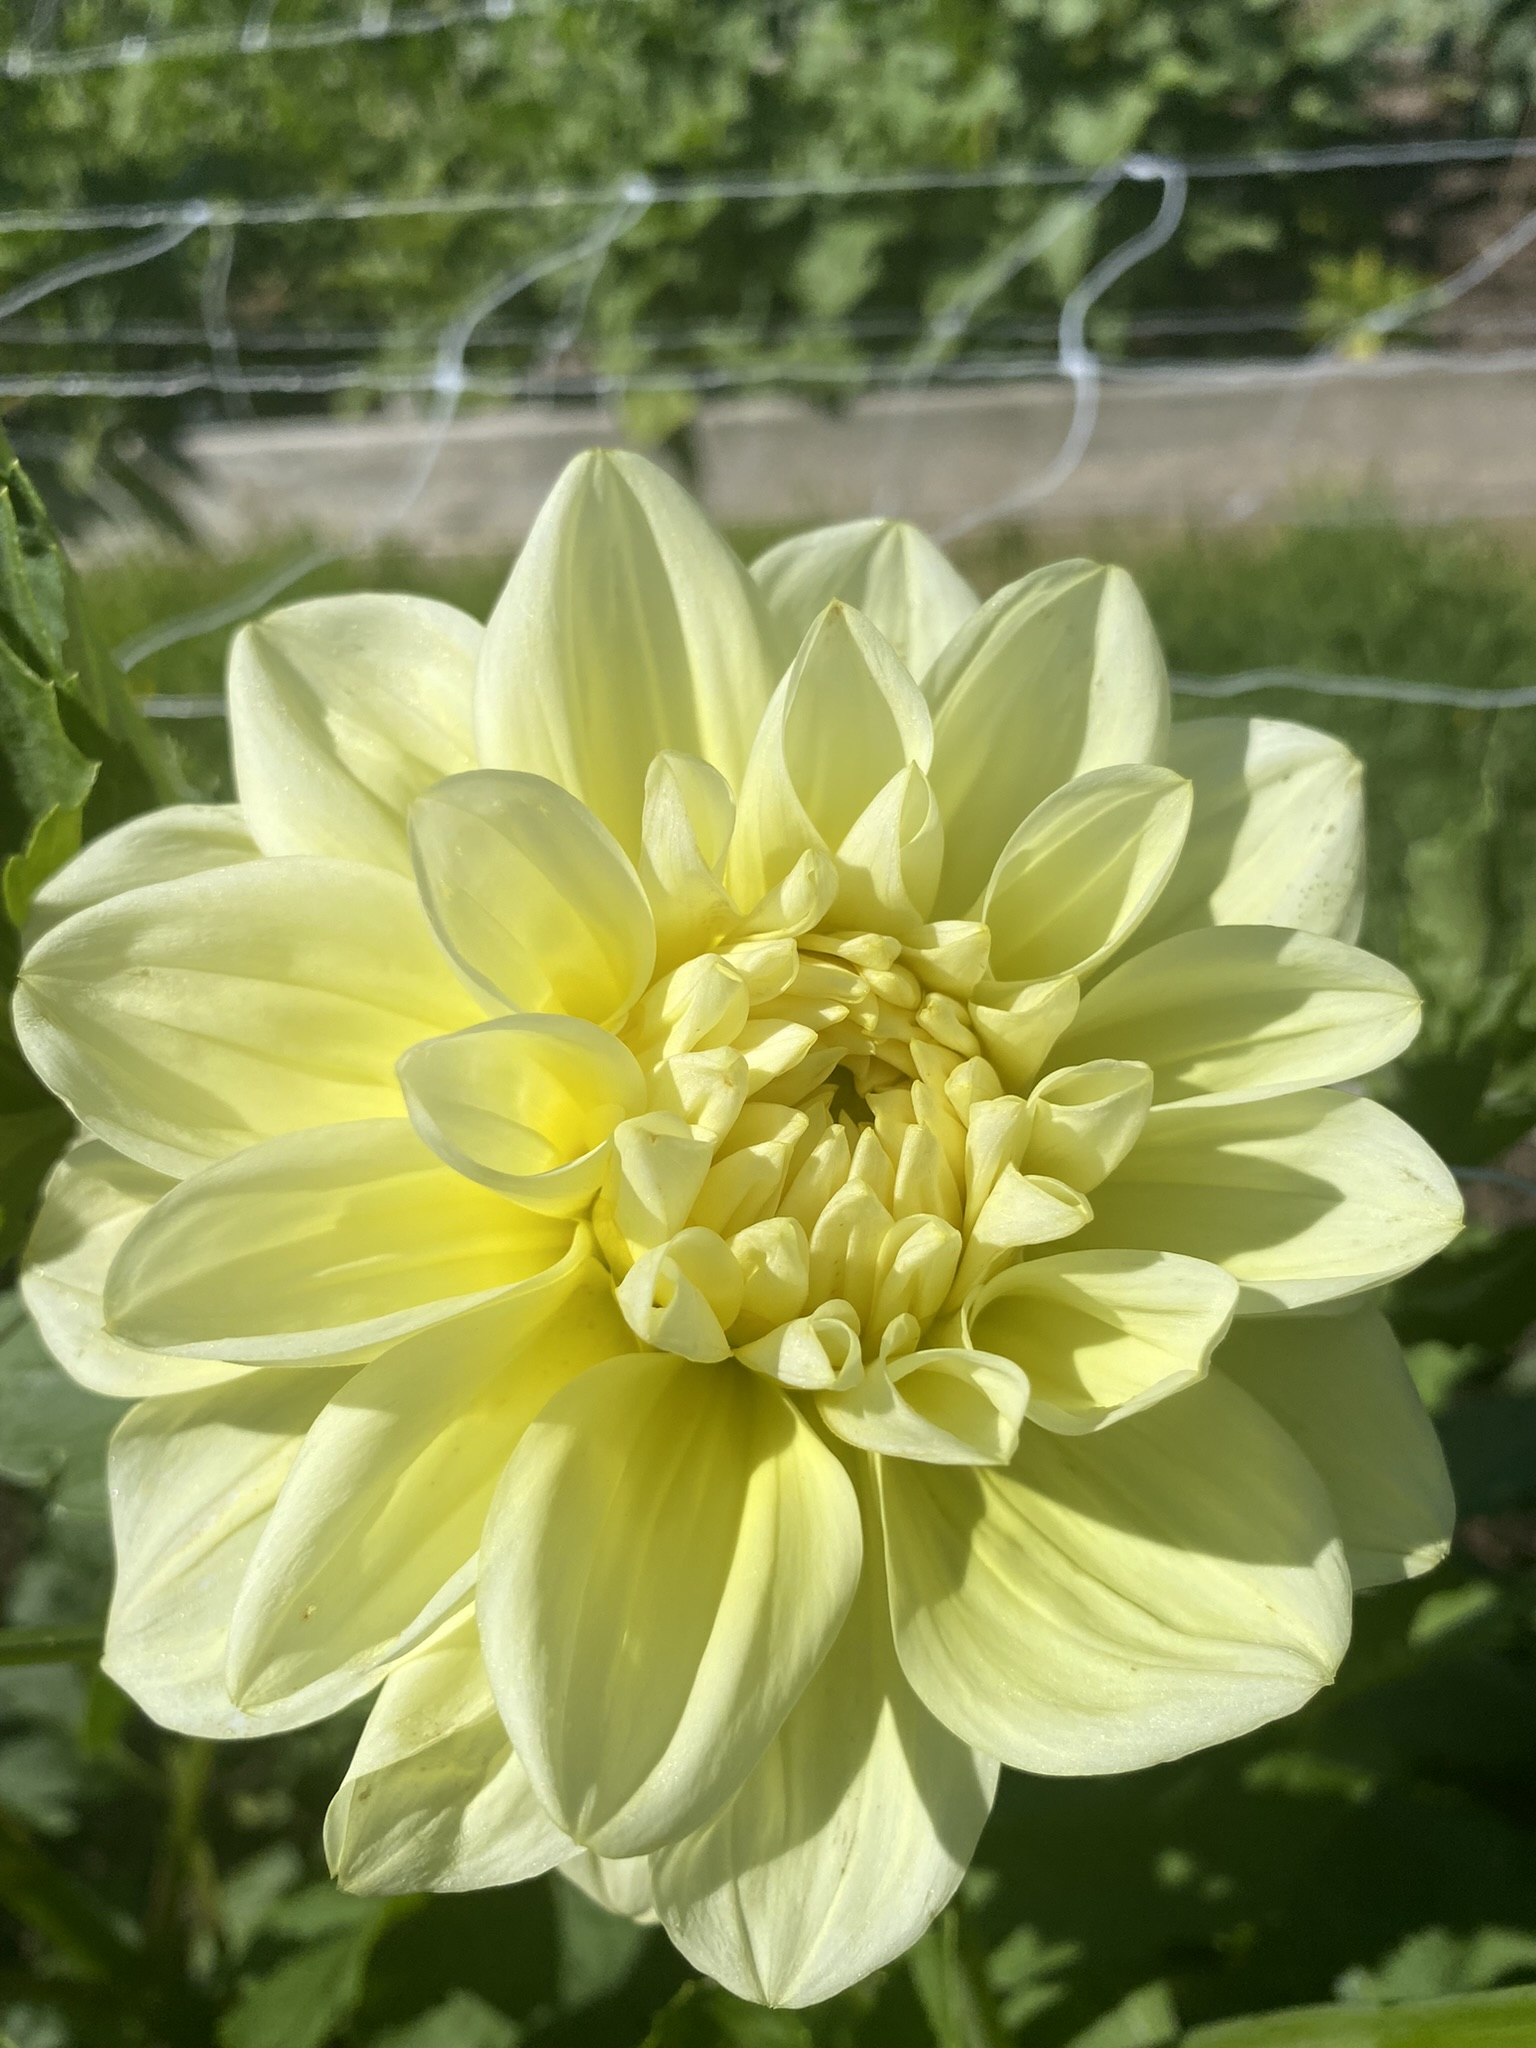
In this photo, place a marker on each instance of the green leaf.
(49, 1646)
(310, 1996)
(461, 2021)
(1486, 2019)
(53, 1434)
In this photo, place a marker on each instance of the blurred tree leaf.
(304, 2000)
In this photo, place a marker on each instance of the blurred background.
(313, 295)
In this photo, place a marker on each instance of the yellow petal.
(1083, 870)
(373, 1539)
(192, 1480)
(627, 626)
(91, 1200)
(683, 1295)
(668, 1559)
(525, 1105)
(1084, 1120)
(1118, 1599)
(685, 833)
(159, 846)
(1102, 1335)
(886, 568)
(847, 1839)
(1054, 676)
(532, 897)
(1339, 1385)
(942, 1407)
(183, 1021)
(318, 1245)
(342, 710)
(434, 1800)
(1302, 1198)
(844, 722)
(1277, 835)
(1018, 1026)
(1242, 1011)
(619, 1884)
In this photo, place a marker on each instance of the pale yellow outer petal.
(434, 1800)
(159, 846)
(1302, 1198)
(319, 1245)
(1243, 1011)
(1054, 676)
(847, 1839)
(668, 1558)
(1278, 832)
(1102, 1335)
(192, 1479)
(532, 897)
(1082, 871)
(887, 568)
(374, 1536)
(342, 710)
(627, 626)
(91, 1200)
(1340, 1386)
(184, 1021)
(1119, 1599)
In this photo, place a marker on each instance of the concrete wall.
(1200, 446)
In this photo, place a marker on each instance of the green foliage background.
(581, 92)
(1364, 1873)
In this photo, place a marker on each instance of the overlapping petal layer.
(713, 1188)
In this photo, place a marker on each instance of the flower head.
(732, 1192)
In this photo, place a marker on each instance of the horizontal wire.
(297, 382)
(687, 191)
(1384, 689)
(374, 25)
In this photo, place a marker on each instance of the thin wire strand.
(448, 385)
(1076, 361)
(692, 191)
(255, 37)
(1384, 689)
(102, 262)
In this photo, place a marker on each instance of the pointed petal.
(1278, 832)
(1339, 1385)
(669, 1556)
(1083, 870)
(434, 1800)
(845, 722)
(192, 1480)
(627, 626)
(159, 846)
(1119, 1599)
(885, 568)
(524, 1105)
(342, 710)
(373, 1538)
(847, 1839)
(1237, 1012)
(1084, 1120)
(1102, 1335)
(184, 1021)
(1054, 676)
(532, 897)
(1302, 1198)
(685, 834)
(91, 1200)
(317, 1245)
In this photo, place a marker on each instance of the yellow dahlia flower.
(731, 1191)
